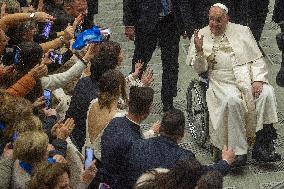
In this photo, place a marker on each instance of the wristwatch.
(32, 15)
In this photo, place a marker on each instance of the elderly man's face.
(218, 20)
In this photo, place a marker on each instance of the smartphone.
(55, 57)
(46, 29)
(104, 186)
(12, 142)
(2, 126)
(50, 160)
(106, 34)
(89, 157)
(78, 30)
(47, 94)
(15, 136)
(16, 56)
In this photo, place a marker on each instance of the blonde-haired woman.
(112, 102)
(30, 151)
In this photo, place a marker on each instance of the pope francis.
(241, 103)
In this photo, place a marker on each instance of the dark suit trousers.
(166, 35)
(92, 10)
(282, 30)
(258, 10)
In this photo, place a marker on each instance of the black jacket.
(144, 14)
(84, 92)
(278, 13)
(116, 140)
(160, 152)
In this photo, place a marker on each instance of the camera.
(55, 57)
(46, 30)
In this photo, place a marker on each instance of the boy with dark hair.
(119, 135)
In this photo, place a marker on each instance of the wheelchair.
(197, 111)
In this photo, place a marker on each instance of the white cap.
(220, 5)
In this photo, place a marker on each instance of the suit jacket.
(278, 13)
(144, 14)
(163, 153)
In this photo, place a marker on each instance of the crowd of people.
(70, 119)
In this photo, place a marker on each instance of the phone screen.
(15, 136)
(47, 98)
(78, 30)
(17, 56)
(104, 186)
(89, 157)
(55, 57)
(46, 30)
(2, 126)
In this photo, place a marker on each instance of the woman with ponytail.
(111, 102)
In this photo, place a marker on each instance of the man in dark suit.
(163, 151)
(154, 22)
(278, 17)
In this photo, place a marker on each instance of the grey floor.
(252, 176)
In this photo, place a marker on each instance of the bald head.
(218, 20)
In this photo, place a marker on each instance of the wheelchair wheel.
(197, 112)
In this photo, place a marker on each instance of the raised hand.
(88, 174)
(79, 20)
(43, 17)
(147, 77)
(156, 127)
(228, 155)
(198, 41)
(63, 130)
(46, 60)
(39, 102)
(92, 51)
(138, 68)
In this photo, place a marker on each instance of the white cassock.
(234, 62)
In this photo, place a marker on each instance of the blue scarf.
(27, 167)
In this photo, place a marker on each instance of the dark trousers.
(282, 30)
(92, 10)
(257, 13)
(166, 35)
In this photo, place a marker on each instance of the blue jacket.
(160, 152)
(116, 140)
